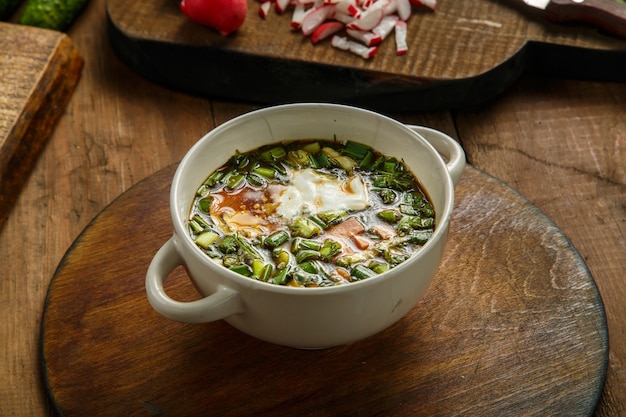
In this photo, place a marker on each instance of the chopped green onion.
(276, 239)
(390, 216)
(299, 244)
(266, 172)
(313, 147)
(274, 153)
(309, 267)
(307, 255)
(242, 270)
(356, 150)
(204, 204)
(304, 227)
(332, 216)
(360, 271)
(281, 276)
(228, 244)
(248, 247)
(206, 239)
(299, 158)
(236, 180)
(329, 249)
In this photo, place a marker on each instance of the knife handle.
(607, 15)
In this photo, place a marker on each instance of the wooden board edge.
(36, 122)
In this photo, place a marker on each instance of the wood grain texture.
(119, 128)
(35, 84)
(565, 151)
(512, 299)
(463, 54)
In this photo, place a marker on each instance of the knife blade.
(607, 15)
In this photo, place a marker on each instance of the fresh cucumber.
(7, 7)
(51, 14)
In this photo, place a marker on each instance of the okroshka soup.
(305, 253)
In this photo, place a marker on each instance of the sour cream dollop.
(314, 193)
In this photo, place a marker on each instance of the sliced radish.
(297, 17)
(325, 30)
(400, 32)
(403, 9)
(314, 18)
(362, 50)
(366, 38)
(281, 5)
(386, 26)
(342, 17)
(349, 7)
(264, 9)
(431, 4)
(368, 20)
(340, 42)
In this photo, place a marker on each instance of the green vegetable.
(360, 271)
(276, 239)
(313, 248)
(304, 227)
(51, 14)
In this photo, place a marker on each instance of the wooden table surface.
(560, 143)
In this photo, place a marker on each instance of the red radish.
(315, 18)
(431, 4)
(281, 5)
(265, 8)
(226, 16)
(366, 38)
(298, 16)
(368, 20)
(345, 44)
(325, 29)
(385, 26)
(404, 9)
(400, 32)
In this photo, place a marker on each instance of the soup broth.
(311, 213)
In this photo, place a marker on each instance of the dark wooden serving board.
(39, 70)
(465, 53)
(512, 325)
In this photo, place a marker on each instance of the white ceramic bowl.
(305, 317)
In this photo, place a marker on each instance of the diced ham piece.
(384, 232)
(347, 228)
(362, 242)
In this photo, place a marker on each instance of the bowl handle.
(447, 147)
(221, 304)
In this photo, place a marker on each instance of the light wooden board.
(38, 72)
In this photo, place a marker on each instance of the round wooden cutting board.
(512, 325)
